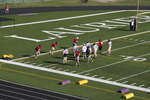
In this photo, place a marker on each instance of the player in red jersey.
(75, 41)
(77, 57)
(7, 7)
(100, 45)
(38, 50)
(53, 47)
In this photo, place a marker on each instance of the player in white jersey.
(65, 54)
(109, 47)
(75, 47)
(95, 48)
(84, 48)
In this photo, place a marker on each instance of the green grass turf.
(21, 48)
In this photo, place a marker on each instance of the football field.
(128, 66)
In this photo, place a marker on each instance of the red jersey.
(100, 43)
(77, 52)
(39, 47)
(6, 6)
(54, 45)
(75, 40)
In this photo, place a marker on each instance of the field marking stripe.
(140, 33)
(134, 75)
(61, 19)
(118, 62)
(76, 75)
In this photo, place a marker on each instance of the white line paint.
(101, 77)
(53, 67)
(27, 62)
(59, 69)
(130, 39)
(134, 75)
(87, 74)
(40, 65)
(27, 14)
(21, 61)
(62, 19)
(76, 75)
(72, 71)
(142, 40)
(133, 84)
(141, 85)
(34, 63)
(50, 66)
(94, 75)
(109, 79)
(125, 82)
(144, 13)
(115, 63)
(135, 34)
(66, 70)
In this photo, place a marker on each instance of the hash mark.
(87, 74)
(141, 85)
(66, 70)
(125, 82)
(133, 84)
(102, 77)
(109, 79)
(94, 75)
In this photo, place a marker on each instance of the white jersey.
(65, 51)
(88, 44)
(84, 48)
(75, 48)
(109, 44)
(95, 47)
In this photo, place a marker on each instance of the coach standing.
(133, 24)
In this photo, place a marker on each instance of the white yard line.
(118, 62)
(141, 85)
(77, 75)
(62, 19)
(134, 75)
(144, 13)
(125, 82)
(133, 84)
(101, 77)
(116, 38)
